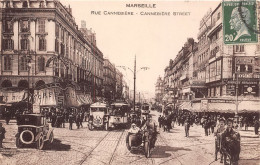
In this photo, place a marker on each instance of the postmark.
(240, 22)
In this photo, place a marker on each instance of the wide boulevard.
(81, 146)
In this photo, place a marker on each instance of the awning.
(48, 96)
(186, 105)
(71, 98)
(221, 107)
(246, 106)
(84, 99)
(196, 107)
(10, 96)
(249, 106)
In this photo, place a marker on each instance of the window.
(42, 44)
(24, 44)
(41, 26)
(23, 64)
(25, 4)
(244, 68)
(8, 44)
(7, 62)
(41, 5)
(41, 64)
(57, 30)
(62, 49)
(218, 16)
(8, 27)
(7, 4)
(56, 46)
(25, 26)
(239, 48)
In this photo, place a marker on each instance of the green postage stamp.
(240, 22)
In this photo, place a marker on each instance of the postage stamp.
(240, 22)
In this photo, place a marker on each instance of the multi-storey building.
(125, 91)
(109, 80)
(215, 77)
(41, 44)
(159, 90)
(119, 84)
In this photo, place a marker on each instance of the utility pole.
(134, 80)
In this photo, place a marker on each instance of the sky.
(153, 39)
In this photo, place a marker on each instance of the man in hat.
(187, 124)
(231, 143)
(218, 134)
(2, 134)
(151, 126)
(71, 120)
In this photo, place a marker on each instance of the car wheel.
(147, 149)
(18, 143)
(51, 138)
(90, 127)
(40, 143)
(106, 127)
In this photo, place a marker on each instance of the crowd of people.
(223, 127)
(58, 118)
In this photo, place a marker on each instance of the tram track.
(87, 155)
(174, 156)
(113, 155)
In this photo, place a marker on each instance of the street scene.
(114, 82)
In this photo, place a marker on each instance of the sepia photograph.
(138, 82)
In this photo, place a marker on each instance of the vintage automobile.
(33, 129)
(119, 115)
(98, 116)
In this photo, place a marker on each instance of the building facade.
(159, 90)
(212, 76)
(41, 44)
(109, 80)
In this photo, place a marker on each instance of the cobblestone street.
(76, 147)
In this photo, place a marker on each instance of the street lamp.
(134, 72)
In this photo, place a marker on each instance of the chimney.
(69, 10)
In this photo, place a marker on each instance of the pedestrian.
(212, 125)
(71, 120)
(78, 120)
(2, 134)
(231, 143)
(205, 124)
(160, 121)
(187, 126)
(218, 139)
(81, 119)
(86, 116)
(256, 126)
(246, 123)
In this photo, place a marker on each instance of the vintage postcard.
(152, 82)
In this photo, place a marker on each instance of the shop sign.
(244, 60)
(248, 75)
(221, 101)
(46, 96)
(13, 97)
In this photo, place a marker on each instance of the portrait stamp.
(240, 22)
